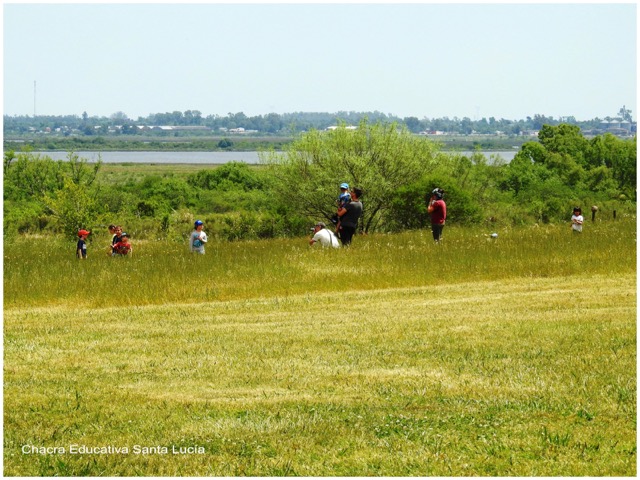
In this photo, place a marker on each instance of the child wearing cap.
(81, 248)
(345, 196)
(343, 199)
(123, 247)
(198, 238)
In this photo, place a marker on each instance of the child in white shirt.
(576, 220)
(198, 238)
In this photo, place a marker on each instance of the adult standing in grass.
(437, 208)
(325, 237)
(198, 238)
(81, 247)
(349, 215)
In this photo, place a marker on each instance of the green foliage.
(393, 167)
(230, 176)
(225, 143)
(565, 139)
(73, 207)
(158, 195)
(29, 176)
(409, 206)
(24, 216)
(620, 156)
(36, 186)
(564, 167)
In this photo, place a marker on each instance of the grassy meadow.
(396, 357)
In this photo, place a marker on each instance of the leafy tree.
(378, 158)
(625, 113)
(618, 155)
(413, 124)
(31, 176)
(73, 207)
(81, 173)
(565, 139)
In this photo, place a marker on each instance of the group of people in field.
(349, 211)
(120, 245)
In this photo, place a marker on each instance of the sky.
(427, 60)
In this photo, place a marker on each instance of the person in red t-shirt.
(438, 211)
(123, 247)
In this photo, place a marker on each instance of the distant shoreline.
(448, 143)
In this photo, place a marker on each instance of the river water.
(202, 158)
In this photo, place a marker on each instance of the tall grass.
(397, 357)
(45, 272)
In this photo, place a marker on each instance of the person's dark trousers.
(346, 233)
(437, 231)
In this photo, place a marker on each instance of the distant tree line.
(282, 124)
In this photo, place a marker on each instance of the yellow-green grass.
(44, 271)
(396, 357)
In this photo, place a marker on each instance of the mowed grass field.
(397, 357)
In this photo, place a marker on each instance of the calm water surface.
(204, 158)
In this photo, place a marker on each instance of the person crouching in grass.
(325, 237)
(123, 247)
(81, 248)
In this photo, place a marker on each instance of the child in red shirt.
(123, 247)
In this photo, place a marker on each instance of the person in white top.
(198, 238)
(577, 220)
(325, 237)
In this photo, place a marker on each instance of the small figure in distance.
(577, 220)
(349, 216)
(112, 231)
(198, 238)
(325, 237)
(343, 199)
(437, 208)
(123, 247)
(116, 231)
(81, 248)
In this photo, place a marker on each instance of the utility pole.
(34, 99)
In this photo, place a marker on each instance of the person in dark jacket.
(349, 215)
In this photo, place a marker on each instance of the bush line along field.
(294, 188)
(396, 357)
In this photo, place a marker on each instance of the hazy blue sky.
(425, 60)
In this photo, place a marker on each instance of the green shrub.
(409, 205)
(230, 176)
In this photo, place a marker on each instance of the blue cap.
(198, 223)
(345, 185)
